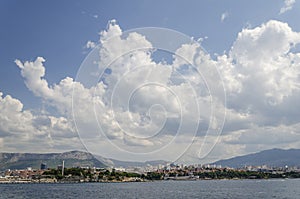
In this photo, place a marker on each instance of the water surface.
(281, 188)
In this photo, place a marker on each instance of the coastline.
(105, 182)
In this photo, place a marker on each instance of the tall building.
(43, 166)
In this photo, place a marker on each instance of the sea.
(279, 188)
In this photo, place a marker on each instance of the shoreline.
(104, 182)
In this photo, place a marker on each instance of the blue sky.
(58, 31)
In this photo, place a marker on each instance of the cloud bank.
(260, 75)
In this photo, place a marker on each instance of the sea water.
(279, 188)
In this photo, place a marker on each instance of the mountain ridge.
(272, 157)
(71, 158)
(24, 160)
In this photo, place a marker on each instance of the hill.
(71, 158)
(34, 160)
(272, 157)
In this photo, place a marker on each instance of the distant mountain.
(71, 158)
(272, 157)
(34, 160)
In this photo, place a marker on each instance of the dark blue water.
(161, 189)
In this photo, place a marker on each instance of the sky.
(187, 81)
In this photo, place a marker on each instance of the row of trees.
(117, 175)
(79, 172)
(88, 173)
(230, 174)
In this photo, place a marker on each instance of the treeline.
(80, 172)
(226, 174)
(232, 174)
(84, 173)
(114, 175)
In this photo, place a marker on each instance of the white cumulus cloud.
(90, 45)
(23, 130)
(288, 5)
